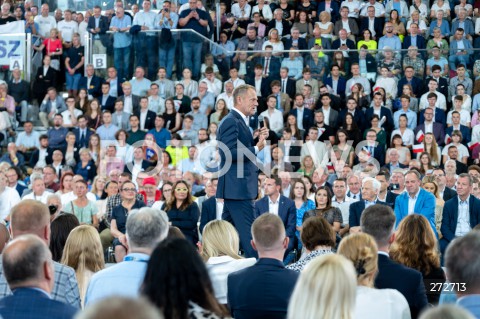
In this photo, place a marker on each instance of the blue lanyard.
(131, 258)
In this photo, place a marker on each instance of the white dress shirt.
(411, 202)
(273, 205)
(463, 220)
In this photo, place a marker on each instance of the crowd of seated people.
(372, 110)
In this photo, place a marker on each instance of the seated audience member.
(324, 208)
(145, 228)
(121, 308)
(379, 222)
(219, 250)
(461, 259)
(334, 290)
(33, 217)
(251, 292)
(371, 303)
(414, 231)
(370, 190)
(60, 227)
(9, 197)
(447, 311)
(461, 213)
(28, 269)
(318, 238)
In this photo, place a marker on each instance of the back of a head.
(83, 250)
(220, 239)
(462, 261)
(268, 232)
(146, 227)
(4, 236)
(60, 229)
(316, 231)
(378, 221)
(175, 232)
(326, 289)
(446, 312)
(176, 274)
(23, 260)
(362, 250)
(29, 217)
(121, 308)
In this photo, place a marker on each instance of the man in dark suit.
(82, 132)
(379, 222)
(91, 83)
(370, 190)
(409, 78)
(278, 17)
(442, 83)
(372, 23)
(440, 116)
(287, 85)
(456, 126)
(374, 149)
(445, 192)
(385, 195)
(264, 83)
(436, 128)
(98, 26)
(393, 155)
(131, 102)
(358, 115)
(295, 41)
(275, 203)
(461, 213)
(211, 210)
(416, 40)
(31, 285)
(271, 64)
(345, 45)
(452, 154)
(291, 149)
(264, 289)
(107, 102)
(138, 164)
(377, 105)
(340, 82)
(147, 121)
(306, 121)
(232, 131)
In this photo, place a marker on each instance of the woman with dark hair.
(318, 238)
(292, 124)
(346, 151)
(358, 94)
(324, 208)
(298, 194)
(351, 127)
(403, 152)
(178, 284)
(375, 125)
(304, 24)
(368, 41)
(398, 26)
(93, 114)
(173, 120)
(342, 63)
(220, 113)
(183, 212)
(94, 147)
(425, 163)
(166, 190)
(81, 102)
(310, 192)
(150, 149)
(60, 228)
(415, 246)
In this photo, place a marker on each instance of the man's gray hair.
(146, 227)
(35, 176)
(375, 184)
(463, 261)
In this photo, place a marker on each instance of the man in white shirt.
(316, 149)
(234, 79)
(275, 117)
(214, 84)
(28, 140)
(9, 197)
(67, 28)
(441, 102)
(45, 22)
(227, 96)
(379, 9)
(241, 10)
(71, 113)
(353, 187)
(342, 202)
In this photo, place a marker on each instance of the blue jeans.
(72, 81)
(166, 58)
(122, 62)
(453, 60)
(192, 55)
(146, 46)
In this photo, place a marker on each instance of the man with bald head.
(33, 218)
(29, 270)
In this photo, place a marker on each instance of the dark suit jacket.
(442, 86)
(377, 25)
(135, 102)
(350, 44)
(416, 83)
(407, 281)
(286, 211)
(290, 87)
(440, 117)
(437, 132)
(149, 120)
(335, 9)
(307, 120)
(448, 193)
(389, 167)
(264, 86)
(390, 200)
(20, 188)
(369, 60)
(388, 125)
(209, 212)
(294, 153)
(36, 154)
(465, 134)
(285, 24)
(341, 85)
(76, 156)
(231, 131)
(30, 303)
(249, 66)
(145, 165)
(356, 210)
(95, 88)
(359, 118)
(273, 66)
(450, 216)
(89, 133)
(104, 24)
(109, 103)
(302, 44)
(261, 291)
(421, 44)
(42, 83)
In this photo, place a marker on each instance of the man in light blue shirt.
(145, 229)
(122, 40)
(140, 84)
(166, 19)
(389, 39)
(107, 130)
(411, 116)
(145, 43)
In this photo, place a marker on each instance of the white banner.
(11, 47)
(13, 27)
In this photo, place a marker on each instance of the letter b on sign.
(100, 61)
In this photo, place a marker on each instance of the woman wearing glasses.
(120, 213)
(183, 212)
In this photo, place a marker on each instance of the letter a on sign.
(16, 63)
(100, 61)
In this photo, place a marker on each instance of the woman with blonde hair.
(371, 303)
(84, 253)
(219, 250)
(431, 186)
(275, 42)
(325, 290)
(415, 246)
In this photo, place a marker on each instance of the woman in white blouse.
(462, 149)
(407, 134)
(371, 303)
(264, 10)
(275, 42)
(219, 249)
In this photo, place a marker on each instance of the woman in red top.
(53, 48)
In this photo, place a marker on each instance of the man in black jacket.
(19, 90)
